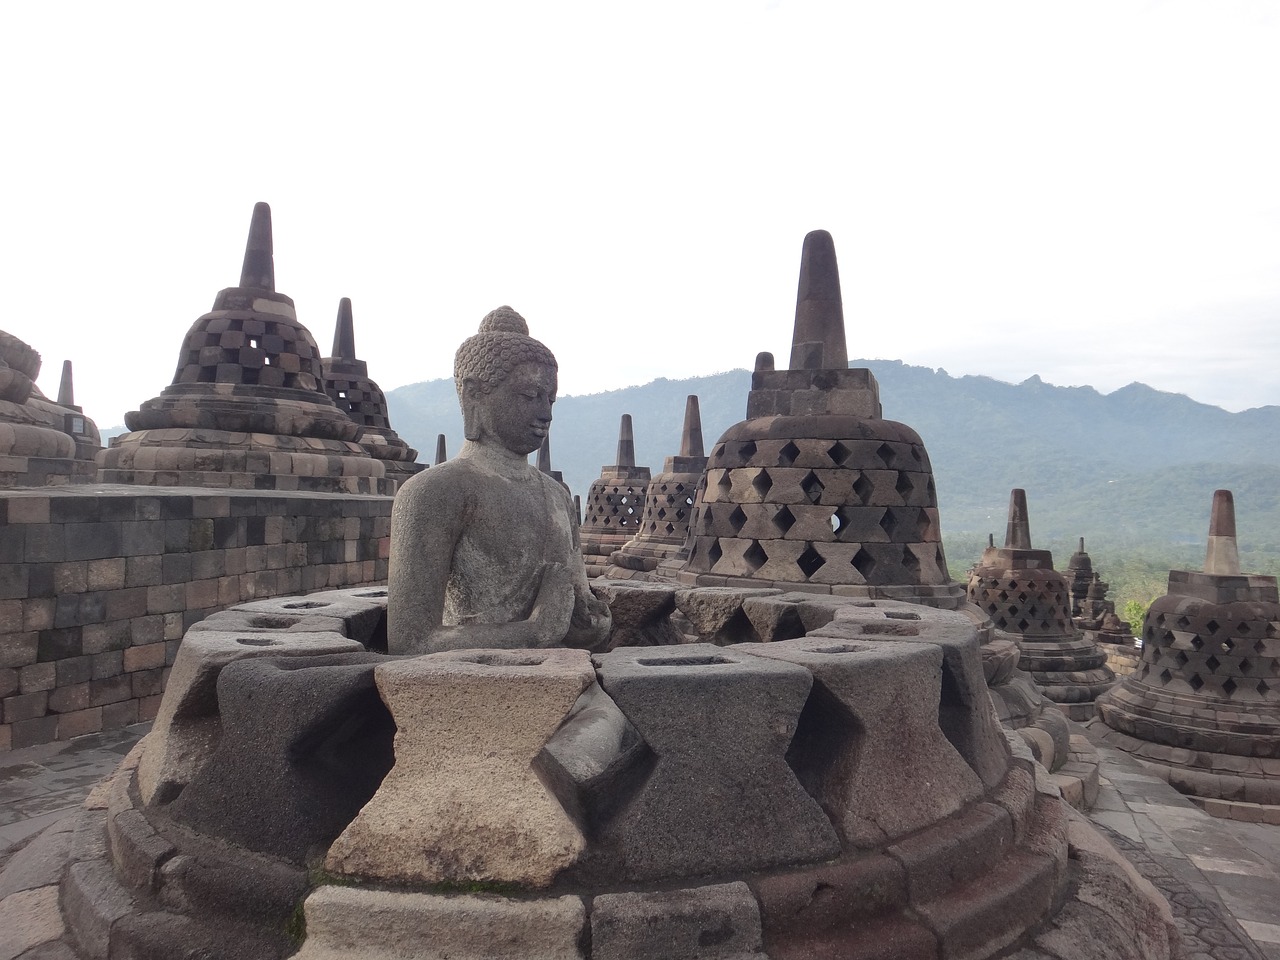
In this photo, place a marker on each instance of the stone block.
(720, 796)
(305, 743)
(463, 803)
(80, 722)
(29, 918)
(187, 726)
(92, 902)
(641, 613)
(376, 925)
(35, 677)
(40, 862)
(868, 746)
(717, 614)
(821, 902)
(137, 850)
(699, 923)
(25, 706)
(955, 851)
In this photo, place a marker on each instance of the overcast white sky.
(1085, 191)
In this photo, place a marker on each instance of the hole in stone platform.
(901, 615)
(839, 648)
(683, 661)
(502, 659)
(256, 641)
(303, 605)
(371, 593)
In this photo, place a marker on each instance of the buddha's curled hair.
(501, 345)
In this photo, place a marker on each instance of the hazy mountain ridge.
(1133, 467)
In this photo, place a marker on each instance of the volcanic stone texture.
(463, 803)
(821, 500)
(614, 508)
(1202, 709)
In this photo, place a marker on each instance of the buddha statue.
(484, 547)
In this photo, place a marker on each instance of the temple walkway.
(1222, 877)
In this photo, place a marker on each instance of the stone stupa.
(1017, 587)
(815, 488)
(615, 503)
(42, 443)
(247, 407)
(668, 505)
(347, 382)
(1202, 710)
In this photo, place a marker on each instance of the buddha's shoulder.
(453, 478)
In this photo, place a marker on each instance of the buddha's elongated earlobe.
(470, 410)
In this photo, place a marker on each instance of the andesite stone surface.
(615, 504)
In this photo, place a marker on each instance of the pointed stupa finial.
(1081, 550)
(544, 455)
(440, 454)
(1222, 555)
(626, 443)
(1017, 534)
(259, 270)
(344, 333)
(691, 436)
(818, 342)
(66, 390)
(991, 540)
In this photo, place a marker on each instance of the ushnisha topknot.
(501, 345)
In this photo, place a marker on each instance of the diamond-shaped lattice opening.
(671, 528)
(1166, 676)
(747, 451)
(708, 521)
(784, 520)
(917, 453)
(1196, 643)
(1213, 626)
(910, 562)
(1183, 623)
(1181, 658)
(737, 519)
(862, 488)
(889, 523)
(755, 555)
(1259, 647)
(992, 608)
(1044, 624)
(1023, 624)
(839, 521)
(864, 563)
(931, 489)
(1002, 623)
(886, 454)
(838, 453)
(827, 741)
(787, 455)
(714, 553)
(810, 562)
(1263, 689)
(725, 483)
(1013, 610)
(1195, 683)
(904, 486)
(1022, 597)
(1242, 628)
(762, 483)
(1213, 663)
(1229, 686)
(662, 513)
(812, 487)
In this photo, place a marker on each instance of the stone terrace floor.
(1221, 877)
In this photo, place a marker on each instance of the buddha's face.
(516, 413)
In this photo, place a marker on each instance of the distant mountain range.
(1133, 468)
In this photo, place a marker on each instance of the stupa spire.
(1222, 556)
(66, 390)
(691, 435)
(344, 333)
(818, 341)
(1018, 531)
(259, 271)
(441, 456)
(544, 455)
(626, 443)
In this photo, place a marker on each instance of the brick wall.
(98, 585)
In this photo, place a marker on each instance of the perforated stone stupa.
(1028, 600)
(246, 408)
(1202, 709)
(668, 504)
(347, 382)
(42, 443)
(815, 487)
(615, 503)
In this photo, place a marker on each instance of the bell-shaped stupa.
(1203, 707)
(615, 503)
(815, 487)
(668, 505)
(1017, 587)
(42, 443)
(247, 407)
(347, 382)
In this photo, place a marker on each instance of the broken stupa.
(247, 407)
